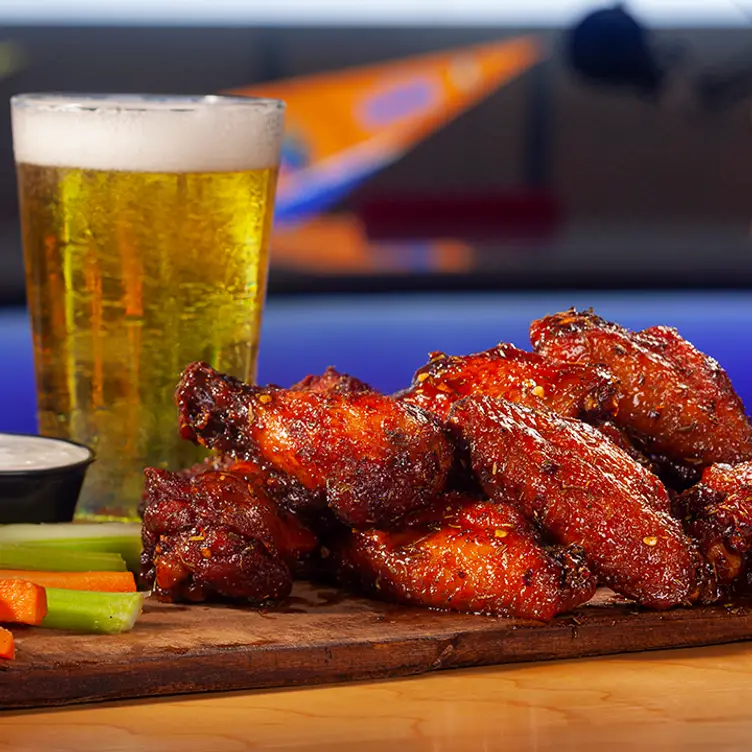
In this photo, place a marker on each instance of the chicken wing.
(280, 487)
(717, 512)
(582, 490)
(465, 555)
(570, 389)
(370, 458)
(216, 536)
(678, 402)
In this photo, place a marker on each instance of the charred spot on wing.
(549, 468)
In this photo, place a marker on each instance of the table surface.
(669, 700)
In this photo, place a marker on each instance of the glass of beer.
(145, 225)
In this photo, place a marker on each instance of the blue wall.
(383, 339)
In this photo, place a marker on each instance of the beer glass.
(145, 225)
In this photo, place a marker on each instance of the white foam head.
(147, 133)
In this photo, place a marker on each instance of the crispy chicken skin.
(582, 490)
(371, 459)
(331, 381)
(677, 401)
(281, 488)
(676, 476)
(465, 555)
(620, 436)
(570, 389)
(215, 536)
(717, 512)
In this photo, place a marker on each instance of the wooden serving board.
(321, 635)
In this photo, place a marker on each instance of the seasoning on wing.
(583, 490)
(677, 401)
(215, 536)
(371, 459)
(465, 555)
(331, 381)
(570, 389)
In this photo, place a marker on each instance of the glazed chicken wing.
(717, 512)
(217, 536)
(676, 401)
(283, 489)
(570, 389)
(369, 458)
(582, 490)
(466, 555)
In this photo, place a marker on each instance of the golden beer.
(136, 267)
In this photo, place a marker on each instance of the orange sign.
(345, 126)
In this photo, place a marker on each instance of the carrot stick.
(7, 646)
(22, 602)
(103, 582)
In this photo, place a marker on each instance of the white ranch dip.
(19, 453)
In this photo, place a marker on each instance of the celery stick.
(49, 559)
(95, 613)
(122, 538)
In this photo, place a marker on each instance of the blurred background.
(548, 148)
(551, 145)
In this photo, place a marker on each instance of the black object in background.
(610, 46)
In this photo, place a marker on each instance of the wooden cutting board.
(321, 635)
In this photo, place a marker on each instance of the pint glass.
(145, 226)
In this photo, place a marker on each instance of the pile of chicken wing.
(505, 482)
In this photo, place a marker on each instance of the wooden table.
(670, 700)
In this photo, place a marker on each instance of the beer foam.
(147, 134)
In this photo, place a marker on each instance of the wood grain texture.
(322, 636)
(662, 701)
